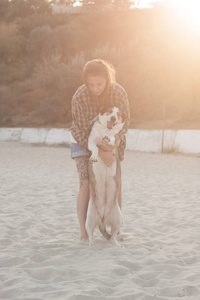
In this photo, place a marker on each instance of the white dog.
(104, 181)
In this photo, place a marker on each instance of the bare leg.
(120, 205)
(83, 195)
(120, 196)
(90, 222)
(119, 184)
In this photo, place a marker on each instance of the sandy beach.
(42, 258)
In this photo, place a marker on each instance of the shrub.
(63, 40)
(11, 43)
(55, 75)
(11, 53)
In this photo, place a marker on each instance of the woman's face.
(96, 84)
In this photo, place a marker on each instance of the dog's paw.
(106, 140)
(93, 159)
(115, 242)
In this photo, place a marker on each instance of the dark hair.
(100, 67)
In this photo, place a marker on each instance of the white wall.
(184, 141)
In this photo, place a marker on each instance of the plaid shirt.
(85, 107)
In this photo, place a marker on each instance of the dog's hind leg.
(114, 241)
(114, 219)
(115, 223)
(90, 231)
(115, 228)
(92, 220)
(104, 232)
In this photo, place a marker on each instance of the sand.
(41, 256)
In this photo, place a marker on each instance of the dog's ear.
(121, 116)
(106, 109)
(102, 111)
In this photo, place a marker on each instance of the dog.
(103, 208)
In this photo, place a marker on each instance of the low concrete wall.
(185, 141)
(36, 135)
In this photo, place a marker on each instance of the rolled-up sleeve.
(80, 126)
(125, 111)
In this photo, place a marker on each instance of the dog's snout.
(113, 119)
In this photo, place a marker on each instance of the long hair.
(100, 67)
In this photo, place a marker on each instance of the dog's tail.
(103, 231)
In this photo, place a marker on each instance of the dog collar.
(93, 120)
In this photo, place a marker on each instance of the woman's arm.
(125, 111)
(123, 104)
(80, 126)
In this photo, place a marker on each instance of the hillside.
(157, 60)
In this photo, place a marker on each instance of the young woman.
(98, 91)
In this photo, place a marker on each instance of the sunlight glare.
(189, 10)
(142, 4)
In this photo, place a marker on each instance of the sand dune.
(41, 256)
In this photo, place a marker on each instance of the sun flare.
(189, 10)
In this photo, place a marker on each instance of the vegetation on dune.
(157, 60)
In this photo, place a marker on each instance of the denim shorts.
(77, 150)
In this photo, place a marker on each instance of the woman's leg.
(83, 195)
(119, 183)
(120, 196)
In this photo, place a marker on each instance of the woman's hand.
(109, 148)
(108, 157)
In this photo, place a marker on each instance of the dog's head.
(110, 117)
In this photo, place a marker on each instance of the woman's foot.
(84, 236)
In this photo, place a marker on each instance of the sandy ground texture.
(41, 256)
